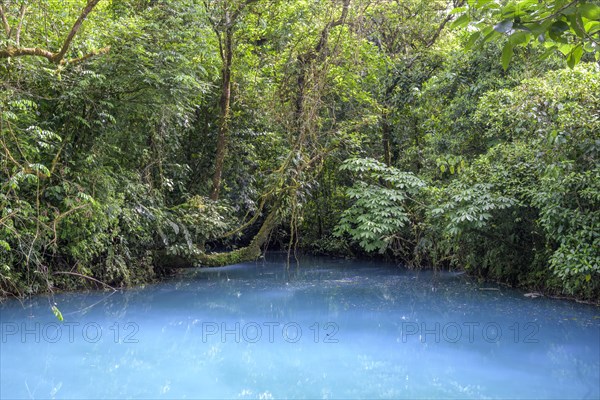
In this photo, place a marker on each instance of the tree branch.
(22, 12)
(5, 22)
(325, 33)
(50, 56)
(239, 10)
(89, 55)
(441, 27)
(85, 277)
(11, 51)
(90, 6)
(56, 58)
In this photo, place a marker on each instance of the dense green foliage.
(164, 130)
(570, 27)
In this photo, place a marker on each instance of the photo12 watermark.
(69, 332)
(470, 332)
(206, 332)
(270, 332)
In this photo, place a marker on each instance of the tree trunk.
(386, 136)
(225, 108)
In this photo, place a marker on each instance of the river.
(320, 328)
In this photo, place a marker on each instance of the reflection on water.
(322, 329)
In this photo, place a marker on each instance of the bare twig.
(85, 277)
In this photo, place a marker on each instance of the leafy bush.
(380, 203)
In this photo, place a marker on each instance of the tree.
(403, 33)
(223, 16)
(301, 163)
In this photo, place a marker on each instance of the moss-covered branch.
(248, 253)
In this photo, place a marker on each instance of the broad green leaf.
(481, 3)
(590, 11)
(592, 27)
(461, 21)
(566, 49)
(590, 47)
(472, 40)
(557, 29)
(520, 38)
(507, 54)
(509, 11)
(536, 29)
(575, 56)
(576, 24)
(491, 35)
(5, 245)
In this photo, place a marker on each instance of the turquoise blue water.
(320, 329)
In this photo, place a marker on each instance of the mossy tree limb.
(248, 253)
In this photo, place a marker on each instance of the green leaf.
(507, 54)
(520, 38)
(461, 21)
(566, 49)
(536, 29)
(576, 24)
(472, 40)
(481, 3)
(5, 245)
(490, 34)
(589, 47)
(575, 56)
(592, 27)
(590, 11)
(557, 29)
(57, 313)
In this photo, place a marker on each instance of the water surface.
(321, 329)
